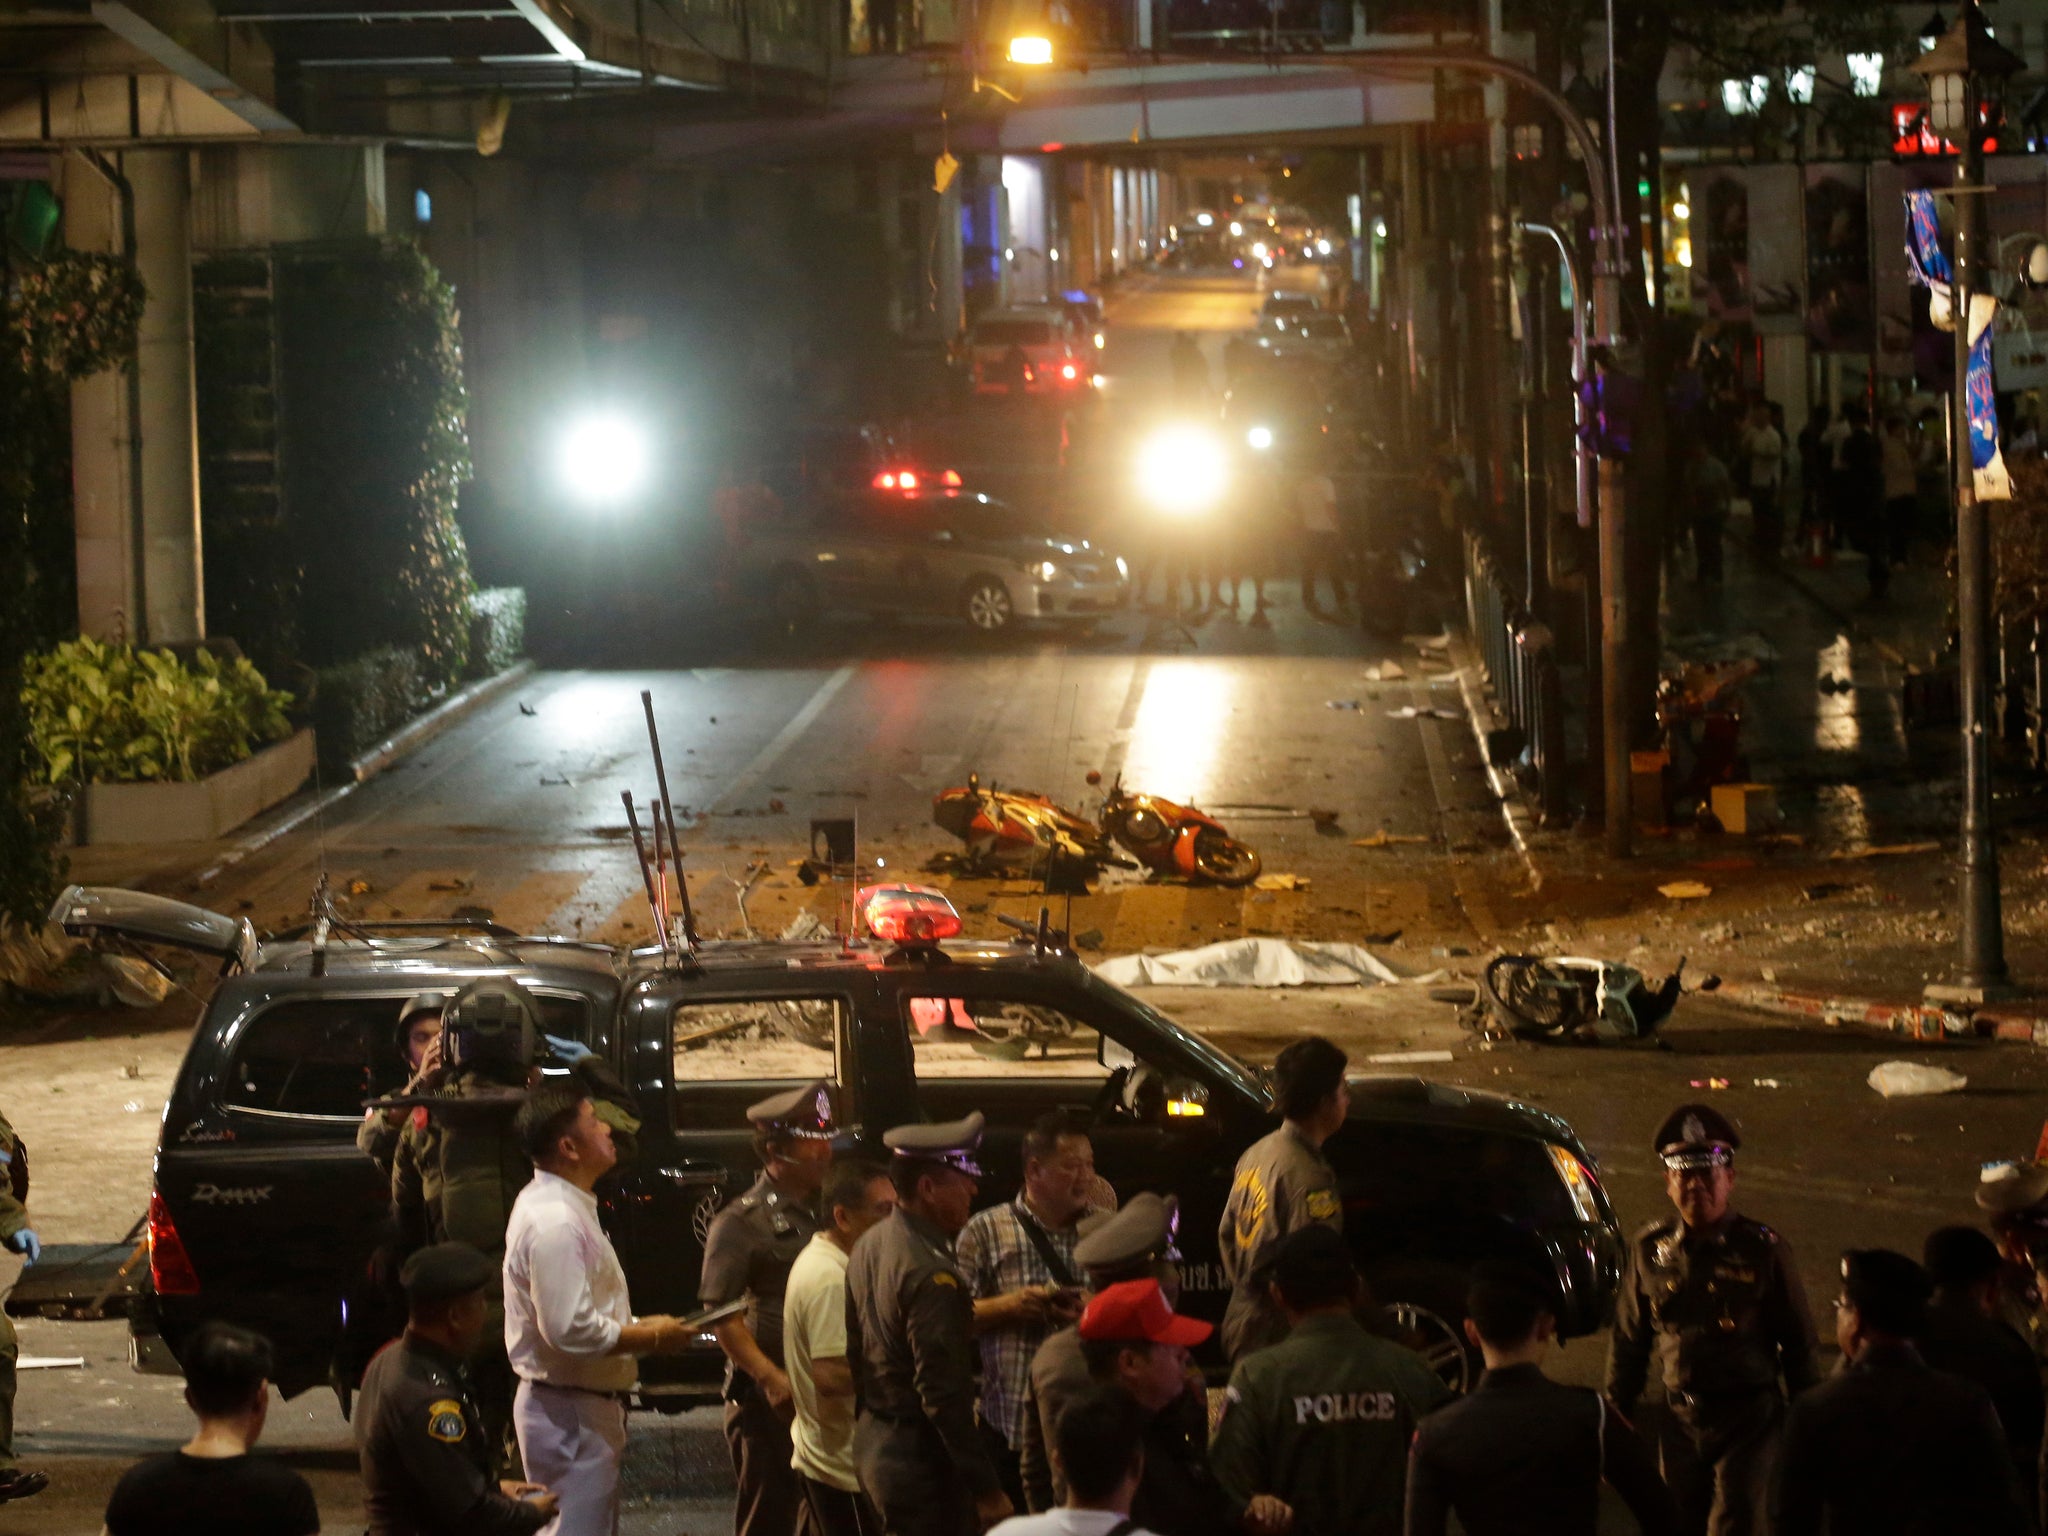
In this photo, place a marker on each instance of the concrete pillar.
(174, 601)
(950, 298)
(101, 470)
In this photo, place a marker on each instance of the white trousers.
(572, 1444)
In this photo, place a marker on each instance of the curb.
(408, 738)
(1922, 1022)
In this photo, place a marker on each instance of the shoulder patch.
(445, 1422)
(945, 1277)
(1322, 1204)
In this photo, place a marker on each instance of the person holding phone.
(1018, 1260)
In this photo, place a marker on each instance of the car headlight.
(1046, 570)
(1260, 438)
(1259, 249)
(1100, 341)
(1322, 247)
(1578, 1182)
(1123, 569)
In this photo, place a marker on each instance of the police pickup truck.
(264, 1212)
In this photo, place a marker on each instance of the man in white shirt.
(857, 1195)
(1766, 450)
(1100, 1442)
(569, 1329)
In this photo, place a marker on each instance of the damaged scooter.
(1572, 998)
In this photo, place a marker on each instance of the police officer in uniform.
(1134, 1243)
(1283, 1183)
(1716, 1299)
(748, 1252)
(910, 1342)
(17, 1236)
(428, 1467)
(1323, 1418)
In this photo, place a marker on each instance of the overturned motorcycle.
(1022, 832)
(1569, 997)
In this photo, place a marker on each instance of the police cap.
(952, 1142)
(2013, 1190)
(446, 1271)
(804, 1112)
(1888, 1290)
(1138, 1233)
(1697, 1136)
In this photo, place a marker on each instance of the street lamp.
(1963, 70)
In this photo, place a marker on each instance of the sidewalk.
(1845, 911)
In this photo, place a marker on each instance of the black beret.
(446, 1271)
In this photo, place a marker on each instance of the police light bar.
(906, 914)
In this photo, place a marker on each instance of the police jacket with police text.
(1322, 1420)
(910, 1339)
(1721, 1310)
(428, 1467)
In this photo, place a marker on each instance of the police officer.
(428, 1467)
(748, 1252)
(17, 1236)
(1715, 1297)
(455, 1177)
(1323, 1418)
(419, 1041)
(1283, 1183)
(909, 1339)
(2014, 1199)
(1134, 1243)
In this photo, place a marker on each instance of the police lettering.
(1343, 1407)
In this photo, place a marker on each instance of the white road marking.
(783, 740)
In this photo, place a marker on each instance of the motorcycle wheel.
(1225, 860)
(1529, 996)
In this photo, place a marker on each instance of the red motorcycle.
(1174, 839)
(1023, 832)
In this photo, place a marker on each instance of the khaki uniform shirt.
(1282, 1184)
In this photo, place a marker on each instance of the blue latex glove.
(26, 1242)
(567, 1052)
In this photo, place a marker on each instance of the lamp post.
(1963, 70)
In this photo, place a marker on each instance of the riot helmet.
(491, 1028)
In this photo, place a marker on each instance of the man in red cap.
(1133, 1339)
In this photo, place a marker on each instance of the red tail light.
(170, 1266)
(907, 481)
(885, 481)
(950, 477)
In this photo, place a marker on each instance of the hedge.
(359, 703)
(497, 630)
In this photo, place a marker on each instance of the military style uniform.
(910, 1343)
(429, 1468)
(15, 1234)
(1722, 1312)
(748, 1252)
(1323, 1419)
(1282, 1184)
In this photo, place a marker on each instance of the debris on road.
(1711, 1084)
(1765, 1082)
(1886, 850)
(1386, 839)
(1409, 1058)
(1423, 712)
(1281, 883)
(1255, 963)
(1685, 890)
(1386, 672)
(1351, 704)
(1906, 1080)
(50, 1363)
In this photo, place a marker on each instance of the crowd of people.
(900, 1363)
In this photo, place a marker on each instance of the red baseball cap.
(1137, 1309)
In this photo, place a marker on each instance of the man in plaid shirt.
(1019, 1263)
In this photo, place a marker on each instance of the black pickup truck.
(264, 1212)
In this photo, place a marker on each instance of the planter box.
(197, 813)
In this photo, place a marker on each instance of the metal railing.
(1520, 657)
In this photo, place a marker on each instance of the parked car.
(924, 553)
(264, 1213)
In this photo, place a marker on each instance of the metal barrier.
(1520, 657)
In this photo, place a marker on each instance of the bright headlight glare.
(1047, 570)
(1259, 249)
(603, 459)
(1181, 470)
(1322, 247)
(1123, 568)
(1260, 438)
(1031, 50)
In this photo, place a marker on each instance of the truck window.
(1404, 1172)
(729, 1054)
(325, 1057)
(981, 1037)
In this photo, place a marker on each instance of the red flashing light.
(885, 481)
(950, 477)
(907, 914)
(907, 481)
(1051, 149)
(170, 1266)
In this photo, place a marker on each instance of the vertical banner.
(1839, 312)
(1930, 268)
